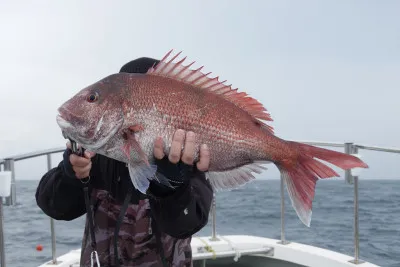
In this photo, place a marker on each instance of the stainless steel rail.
(214, 220)
(2, 241)
(377, 148)
(356, 259)
(8, 164)
(53, 232)
(37, 154)
(349, 148)
(283, 240)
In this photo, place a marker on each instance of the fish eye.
(93, 97)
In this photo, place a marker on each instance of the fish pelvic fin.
(301, 176)
(198, 79)
(141, 174)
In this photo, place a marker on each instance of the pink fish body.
(121, 115)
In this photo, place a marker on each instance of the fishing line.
(80, 152)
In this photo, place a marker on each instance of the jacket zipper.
(150, 228)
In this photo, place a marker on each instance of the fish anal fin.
(198, 79)
(234, 178)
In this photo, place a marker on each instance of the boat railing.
(349, 148)
(9, 165)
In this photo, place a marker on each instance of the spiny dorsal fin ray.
(178, 71)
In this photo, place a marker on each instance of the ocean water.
(253, 210)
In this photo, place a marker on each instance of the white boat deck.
(243, 250)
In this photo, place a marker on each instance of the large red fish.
(121, 115)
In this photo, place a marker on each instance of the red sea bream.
(121, 116)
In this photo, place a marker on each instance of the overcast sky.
(325, 70)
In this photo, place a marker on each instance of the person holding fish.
(129, 227)
(133, 120)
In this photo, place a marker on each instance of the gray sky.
(326, 70)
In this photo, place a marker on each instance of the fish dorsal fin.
(195, 77)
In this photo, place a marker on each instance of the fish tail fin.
(301, 174)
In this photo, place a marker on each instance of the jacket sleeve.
(60, 194)
(186, 211)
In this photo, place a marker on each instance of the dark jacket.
(153, 229)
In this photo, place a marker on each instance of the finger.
(204, 161)
(78, 161)
(82, 172)
(188, 152)
(159, 148)
(89, 154)
(176, 146)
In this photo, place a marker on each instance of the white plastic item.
(5, 183)
(356, 171)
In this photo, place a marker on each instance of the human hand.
(81, 165)
(187, 155)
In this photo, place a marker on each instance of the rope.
(238, 254)
(208, 248)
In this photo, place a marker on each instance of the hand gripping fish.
(121, 116)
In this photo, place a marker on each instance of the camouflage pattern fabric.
(137, 244)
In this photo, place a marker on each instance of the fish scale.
(121, 116)
(185, 117)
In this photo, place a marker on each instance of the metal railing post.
(2, 242)
(348, 148)
(53, 233)
(283, 240)
(356, 260)
(214, 220)
(9, 166)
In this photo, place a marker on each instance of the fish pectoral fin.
(132, 143)
(141, 175)
(136, 128)
(232, 179)
(143, 172)
(126, 148)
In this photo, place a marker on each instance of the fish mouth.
(67, 121)
(66, 116)
(63, 123)
(66, 127)
(93, 139)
